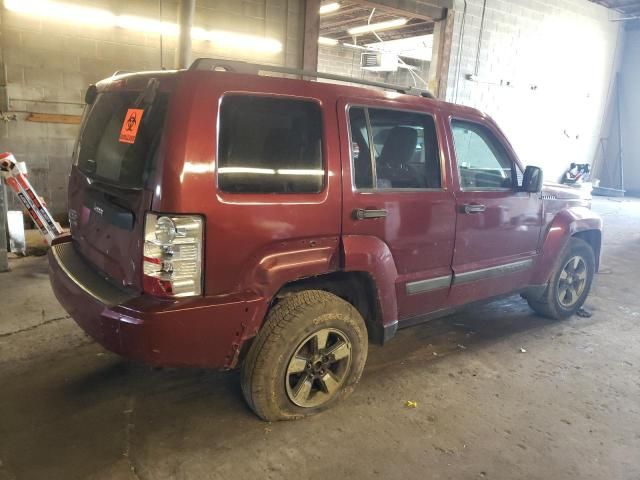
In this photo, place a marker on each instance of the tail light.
(172, 263)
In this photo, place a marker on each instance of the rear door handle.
(365, 213)
(474, 208)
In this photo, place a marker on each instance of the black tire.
(553, 303)
(287, 335)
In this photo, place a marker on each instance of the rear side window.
(483, 163)
(102, 153)
(392, 149)
(270, 145)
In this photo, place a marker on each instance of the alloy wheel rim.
(318, 368)
(572, 281)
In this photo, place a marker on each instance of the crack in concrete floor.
(128, 428)
(33, 327)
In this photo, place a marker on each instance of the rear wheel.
(570, 282)
(308, 356)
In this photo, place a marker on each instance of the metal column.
(4, 247)
(186, 10)
(4, 261)
(311, 33)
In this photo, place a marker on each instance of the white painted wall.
(557, 58)
(630, 111)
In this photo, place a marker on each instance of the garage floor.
(568, 407)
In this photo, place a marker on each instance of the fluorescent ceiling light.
(374, 27)
(353, 45)
(103, 18)
(63, 11)
(329, 7)
(327, 41)
(147, 25)
(198, 33)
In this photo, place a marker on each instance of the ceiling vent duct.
(379, 61)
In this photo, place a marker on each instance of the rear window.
(270, 145)
(106, 155)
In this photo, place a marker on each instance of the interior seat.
(393, 162)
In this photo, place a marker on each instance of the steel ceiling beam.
(408, 8)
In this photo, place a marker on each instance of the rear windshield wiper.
(148, 95)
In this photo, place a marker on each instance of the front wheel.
(309, 355)
(570, 282)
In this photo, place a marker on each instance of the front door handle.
(474, 208)
(365, 213)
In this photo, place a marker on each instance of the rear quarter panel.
(254, 242)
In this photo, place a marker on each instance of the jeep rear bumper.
(199, 332)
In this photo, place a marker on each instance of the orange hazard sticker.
(130, 125)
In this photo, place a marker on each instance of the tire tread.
(547, 305)
(275, 333)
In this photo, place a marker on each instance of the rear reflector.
(172, 255)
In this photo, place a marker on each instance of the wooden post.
(441, 57)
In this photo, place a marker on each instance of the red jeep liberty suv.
(222, 218)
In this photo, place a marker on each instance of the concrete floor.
(567, 408)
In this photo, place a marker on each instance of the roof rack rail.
(216, 64)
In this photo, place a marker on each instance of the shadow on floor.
(78, 408)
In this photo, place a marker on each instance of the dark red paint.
(256, 244)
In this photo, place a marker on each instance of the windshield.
(120, 138)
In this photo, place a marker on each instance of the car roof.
(333, 88)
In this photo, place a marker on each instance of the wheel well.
(357, 288)
(594, 239)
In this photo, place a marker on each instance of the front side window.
(483, 163)
(392, 149)
(270, 145)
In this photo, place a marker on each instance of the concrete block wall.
(345, 61)
(49, 64)
(544, 74)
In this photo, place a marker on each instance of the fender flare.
(363, 253)
(566, 224)
(359, 253)
(283, 263)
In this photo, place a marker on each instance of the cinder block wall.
(545, 69)
(49, 64)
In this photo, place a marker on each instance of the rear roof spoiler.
(216, 64)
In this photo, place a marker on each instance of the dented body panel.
(424, 256)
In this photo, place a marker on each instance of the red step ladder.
(14, 174)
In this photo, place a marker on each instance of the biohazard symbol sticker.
(130, 125)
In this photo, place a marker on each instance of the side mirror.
(532, 180)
